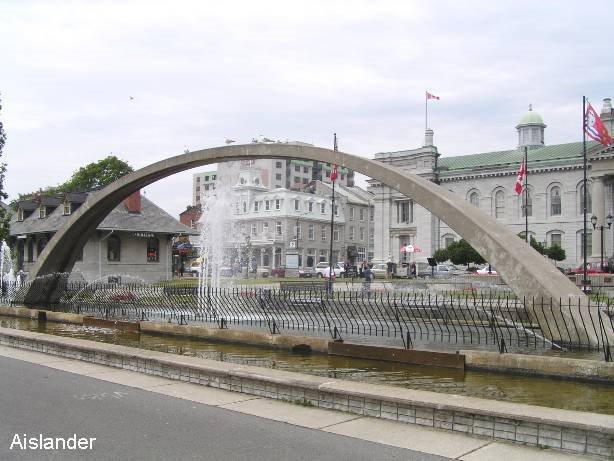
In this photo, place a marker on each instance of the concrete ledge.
(64, 317)
(539, 365)
(254, 338)
(577, 432)
(19, 312)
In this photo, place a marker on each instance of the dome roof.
(531, 118)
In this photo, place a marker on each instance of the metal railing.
(478, 320)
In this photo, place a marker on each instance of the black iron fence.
(478, 320)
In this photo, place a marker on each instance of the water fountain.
(10, 283)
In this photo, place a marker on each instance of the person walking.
(413, 270)
(366, 284)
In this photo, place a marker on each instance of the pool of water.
(547, 392)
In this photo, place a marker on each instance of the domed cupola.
(531, 130)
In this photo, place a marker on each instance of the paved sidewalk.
(393, 434)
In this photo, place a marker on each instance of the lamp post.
(608, 221)
(248, 246)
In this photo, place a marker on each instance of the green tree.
(5, 216)
(441, 255)
(534, 243)
(555, 252)
(462, 252)
(96, 175)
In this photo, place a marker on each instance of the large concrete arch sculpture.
(525, 271)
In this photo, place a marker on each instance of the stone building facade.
(554, 204)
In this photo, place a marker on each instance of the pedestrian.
(329, 277)
(181, 269)
(413, 270)
(366, 284)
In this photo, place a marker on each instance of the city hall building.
(554, 203)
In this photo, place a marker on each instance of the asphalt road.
(134, 424)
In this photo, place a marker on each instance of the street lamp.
(608, 221)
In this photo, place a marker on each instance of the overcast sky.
(201, 72)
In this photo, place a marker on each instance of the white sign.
(291, 261)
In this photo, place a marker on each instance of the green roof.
(531, 118)
(557, 154)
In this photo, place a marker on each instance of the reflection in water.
(554, 393)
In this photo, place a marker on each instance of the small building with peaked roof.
(134, 240)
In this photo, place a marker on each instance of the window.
(20, 214)
(114, 246)
(336, 233)
(351, 213)
(31, 250)
(297, 232)
(40, 245)
(305, 169)
(278, 176)
(66, 208)
(297, 205)
(448, 241)
(244, 207)
(362, 253)
(323, 207)
(198, 179)
(267, 205)
(153, 250)
(297, 180)
(372, 214)
(256, 207)
(405, 211)
(311, 256)
(322, 256)
(362, 233)
(328, 174)
(265, 229)
(297, 168)
(499, 204)
(277, 257)
(310, 232)
(277, 164)
(323, 233)
(254, 229)
(278, 228)
(361, 214)
(206, 187)
(351, 232)
(310, 206)
(555, 239)
(305, 180)
(555, 201)
(589, 243)
(336, 210)
(277, 204)
(42, 212)
(474, 199)
(527, 203)
(206, 178)
(198, 189)
(589, 200)
(213, 177)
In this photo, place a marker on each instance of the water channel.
(598, 398)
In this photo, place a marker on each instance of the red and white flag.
(595, 128)
(333, 175)
(520, 179)
(431, 96)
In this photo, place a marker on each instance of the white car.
(322, 269)
(484, 271)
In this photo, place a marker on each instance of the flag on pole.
(594, 127)
(333, 175)
(520, 179)
(431, 96)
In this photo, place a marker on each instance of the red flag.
(594, 127)
(521, 174)
(333, 175)
(431, 96)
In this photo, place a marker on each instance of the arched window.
(153, 250)
(114, 245)
(589, 200)
(499, 204)
(555, 201)
(474, 199)
(527, 203)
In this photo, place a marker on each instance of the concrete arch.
(525, 271)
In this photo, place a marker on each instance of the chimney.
(133, 202)
(428, 137)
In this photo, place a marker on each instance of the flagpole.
(584, 210)
(426, 111)
(526, 196)
(332, 223)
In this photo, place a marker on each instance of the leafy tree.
(441, 255)
(5, 216)
(555, 252)
(535, 244)
(96, 175)
(462, 252)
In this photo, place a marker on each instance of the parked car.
(440, 271)
(308, 272)
(322, 269)
(279, 272)
(379, 270)
(195, 268)
(487, 270)
(591, 268)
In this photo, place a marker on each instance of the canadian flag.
(431, 96)
(519, 180)
(333, 175)
(594, 127)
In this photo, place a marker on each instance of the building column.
(598, 196)
(262, 251)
